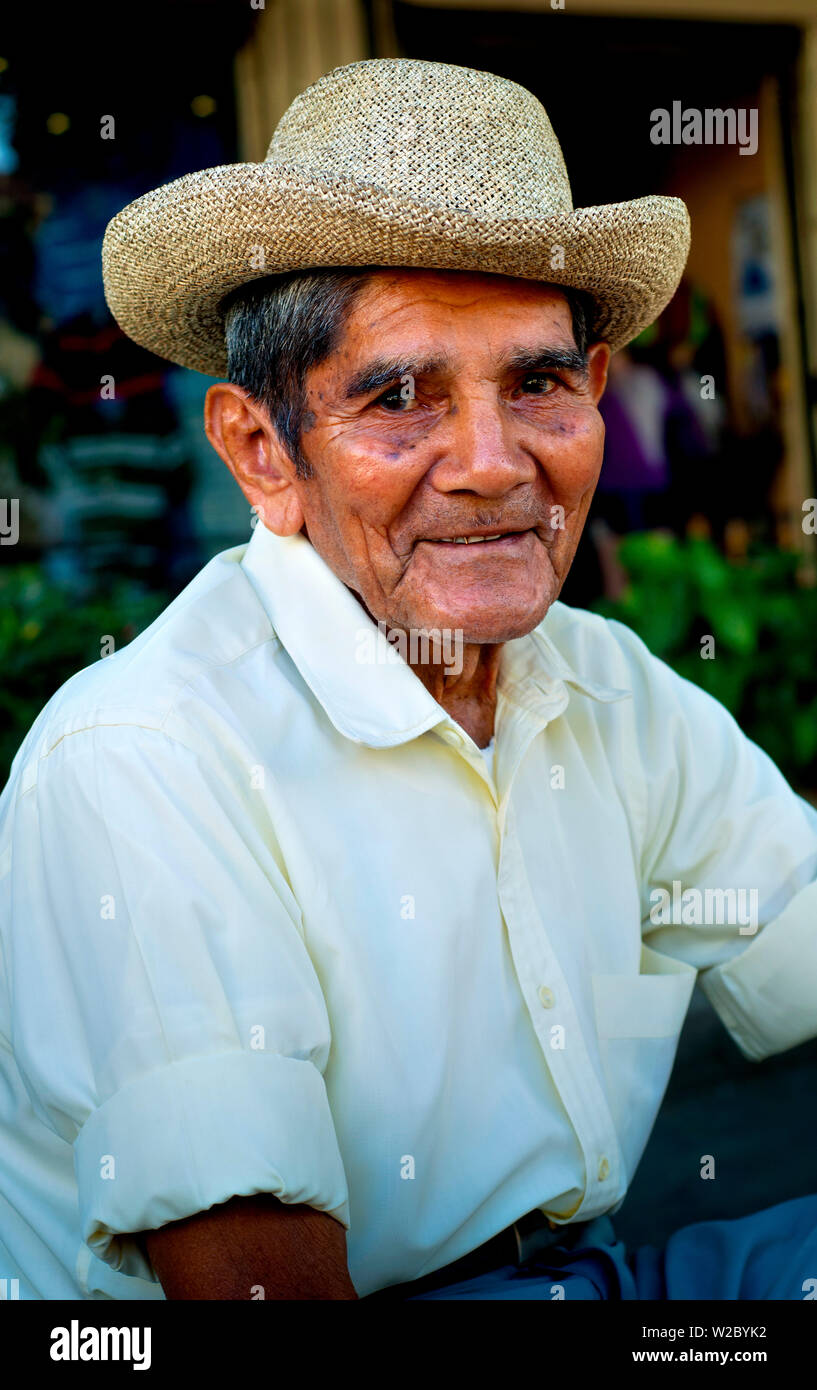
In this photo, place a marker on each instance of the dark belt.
(519, 1244)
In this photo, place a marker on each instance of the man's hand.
(232, 1250)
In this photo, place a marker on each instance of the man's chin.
(488, 636)
(475, 629)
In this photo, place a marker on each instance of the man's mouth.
(491, 538)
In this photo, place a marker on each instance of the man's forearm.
(252, 1247)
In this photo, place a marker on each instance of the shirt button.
(604, 1169)
(546, 998)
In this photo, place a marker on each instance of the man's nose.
(481, 449)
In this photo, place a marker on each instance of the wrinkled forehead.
(401, 311)
(395, 288)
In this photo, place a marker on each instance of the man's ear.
(598, 360)
(242, 433)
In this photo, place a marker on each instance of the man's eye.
(539, 383)
(395, 399)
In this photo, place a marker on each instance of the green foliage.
(764, 626)
(46, 636)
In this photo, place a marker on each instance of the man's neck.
(466, 690)
(462, 677)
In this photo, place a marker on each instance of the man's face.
(490, 433)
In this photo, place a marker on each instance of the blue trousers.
(771, 1254)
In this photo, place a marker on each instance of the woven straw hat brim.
(170, 257)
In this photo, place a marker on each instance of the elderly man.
(352, 912)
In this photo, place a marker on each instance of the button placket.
(524, 718)
(470, 754)
(571, 1068)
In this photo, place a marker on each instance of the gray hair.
(279, 327)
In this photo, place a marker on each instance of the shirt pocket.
(638, 1023)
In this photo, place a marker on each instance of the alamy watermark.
(75, 1343)
(419, 646)
(707, 907)
(712, 126)
(9, 520)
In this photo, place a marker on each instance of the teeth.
(470, 540)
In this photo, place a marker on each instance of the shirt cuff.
(196, 1133)
(767, 996)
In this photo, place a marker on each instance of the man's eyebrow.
(545, 359)
(383, 371)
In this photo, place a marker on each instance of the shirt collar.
(559, 669)
(348, 664)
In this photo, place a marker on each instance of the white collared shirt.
(269, 924)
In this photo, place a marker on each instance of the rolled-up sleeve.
(722, 827)
(767, 995)
(168, 1021)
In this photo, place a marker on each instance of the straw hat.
(393, 162)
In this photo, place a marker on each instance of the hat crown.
(438, 135)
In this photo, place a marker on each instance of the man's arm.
(291, 1252)
(193, 1051)
(717, 816)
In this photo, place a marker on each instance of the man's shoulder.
(599, 649)
(608, 653)
(211, 625)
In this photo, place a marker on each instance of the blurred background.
(111, 498)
